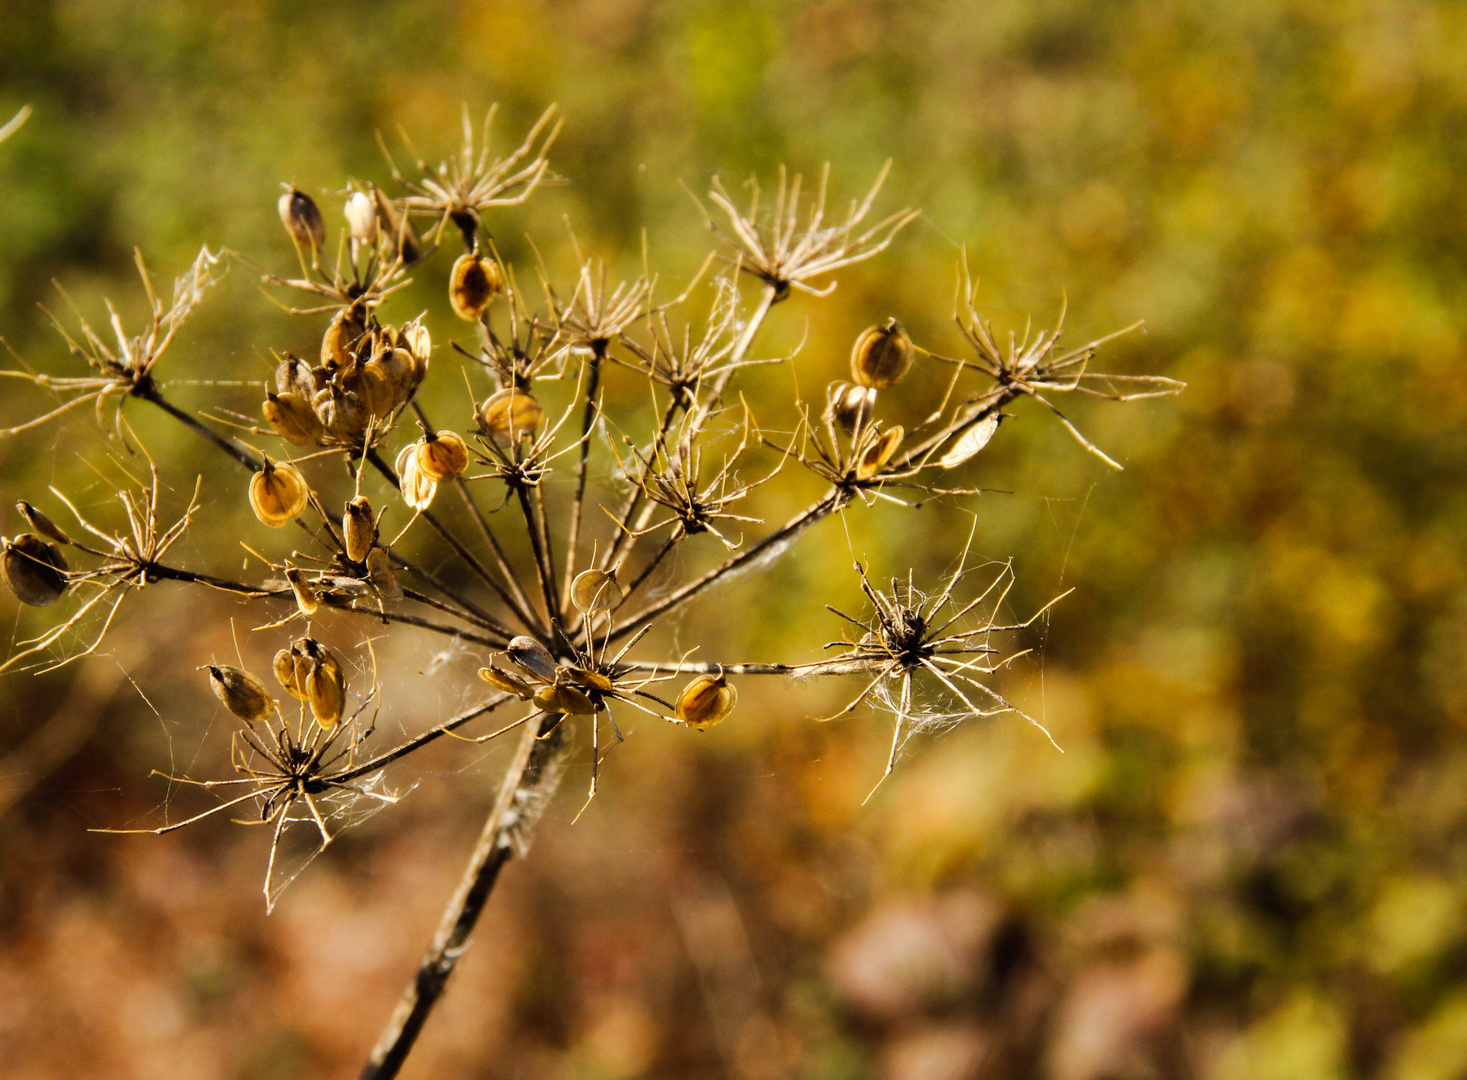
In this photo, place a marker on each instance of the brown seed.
(292, 418)
(290, 671)
(292, 376)
(510, 415)
(42, 523)
(500, 679)
(34, 570)
(302, 219)
(417, 489)
(240, 692)
(533, 657)
(595, 590)
(592, 680)
(565, 699)
(850, 406)
(442, 455)
(473, 285)
(306, 599)
(381, 574)
(343, 413)
(882, 355)
(344, 334)
(706, 701)
(358, 528)
(278, 492)
(324, 683)
(878, 453)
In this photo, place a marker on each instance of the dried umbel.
(240, 692)
(278, 493)
(706, 701)
(509, 416)
(882, 356)
(302, 219)
(442, 455)
(472, 286)
(34, 570)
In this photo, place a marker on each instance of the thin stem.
(624, 530)
(148, 391)
(573, 534)
(543, 570)
(532, 776)
(667, 546)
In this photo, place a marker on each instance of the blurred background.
(1250, 860)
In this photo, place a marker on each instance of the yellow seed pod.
(302, 218)
(361, 217)
(278, 492)
(592, 680)
(358, 528)
(442, 456)
(417, 489)
(473, 285)
(240, 692)
(882, 355)
(398, 371)
(290, 671)
(370, 384)
(34, 570)
(706, 701)
(510, 415)
(533, 657)
(850, 406)
(343, 336)
(291, 417)
(324, 683)
(500, 679)
(877, 453)
(381, 574)
(306, 599)
(42, 523)
(565, 699)
(595, 590)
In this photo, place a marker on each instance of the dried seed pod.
(34, 570)
(706, 701)
(882, 355)
(510, 415)
(343, 336)
(306, 599)
(414, 337)
(971, 441)
(240, 692)
(358, 528)
(278, 492)
(533, 657)
(878, 453)
(500, 679)
(302, 218)
(323, 684)
(361, 218)
(473, 285)
(398, 371)
(292, 376)
(292, 418)
(417, 489)
(564, 699)
(592, 680)
(442, 455)
(850, 406)
(343, 413)
(595, 590)
(381, 574)
(290, 671)
(42, 523)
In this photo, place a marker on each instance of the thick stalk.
(528, 785)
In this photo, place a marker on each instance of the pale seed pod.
(358, 528)
(342, 413)
(343, 335)
(706, 701)
(595, 590)
(369, 385)
(850, 406)
(442, 456)
(278, 492)
(381, 574)
(533, 657)
(414, 337)
(970, 442)
(240, 692)
(292, 418)
(881, 356)
(290, 671)
(292, 376)
(34, 570)
(398, 371)
(361, 218)
(302, 218)
(306, 600)
(473, 285)
(417, 489)
(510, 415)
(500, 679)
(564, 699)
(42, 523)
(878, 453)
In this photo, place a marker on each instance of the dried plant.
(559, 601)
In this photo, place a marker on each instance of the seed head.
(500, 679)
(240, 692)
(533, 657)
(878, 453)
(850, 405)
(417, 487)
(291, 417)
